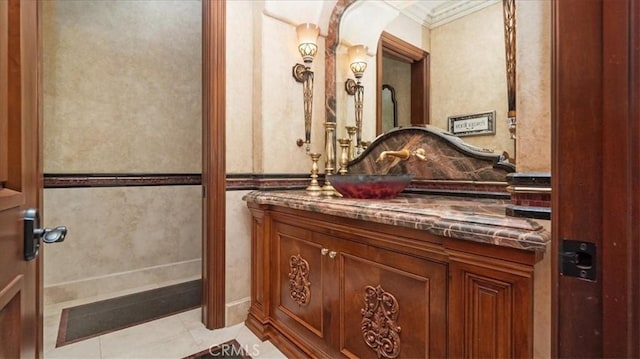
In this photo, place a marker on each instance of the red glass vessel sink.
(370, 186)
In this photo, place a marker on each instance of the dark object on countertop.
(370, 186)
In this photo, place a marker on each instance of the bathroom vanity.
(413, 277)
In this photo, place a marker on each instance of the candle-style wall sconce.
(308, 47)
(358, 64)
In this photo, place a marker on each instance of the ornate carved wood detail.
(299, 284)
(379, 316)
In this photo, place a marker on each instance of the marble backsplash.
(446, 157)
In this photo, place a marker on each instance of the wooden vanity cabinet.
(325, 286)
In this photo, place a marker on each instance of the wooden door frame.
(621, 171)
(420, 79)
(595, 169)
(213, 163)
(20, 172)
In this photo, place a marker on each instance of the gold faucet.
(403, 154)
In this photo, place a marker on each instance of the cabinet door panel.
(490, 313)
(298, 290)
(489, 308)
(394, 307)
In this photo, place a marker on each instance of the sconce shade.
(358, 60)
(307, 41)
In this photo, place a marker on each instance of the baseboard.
(117, 283)
(237, 311)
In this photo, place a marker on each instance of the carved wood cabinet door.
(348, 299)
(301, 289)
(391, 305)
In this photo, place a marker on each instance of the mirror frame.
(331, 45)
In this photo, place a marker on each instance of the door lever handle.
(49, 235)
(33, 234)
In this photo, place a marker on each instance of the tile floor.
(174, 337)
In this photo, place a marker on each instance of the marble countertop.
(474, 219)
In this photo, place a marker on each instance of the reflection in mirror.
(466, 67)
(406, 68)
(468, 74)
(389, 108)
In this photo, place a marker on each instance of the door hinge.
(578, 259)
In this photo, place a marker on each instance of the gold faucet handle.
(403, 154)
(420, 154)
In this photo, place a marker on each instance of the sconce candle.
(308, 47)
(307, 38)
(358, 60)
(358, 64)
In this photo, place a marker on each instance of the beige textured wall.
(121, 93)
(398, 75)
(533, 85)
(282, 115)
(122, 78)
(241, 95)
(468, 73)
(244, 145)
(238, 258)
(121, 238)
(265, 113)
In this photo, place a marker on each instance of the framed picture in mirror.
(472, 125)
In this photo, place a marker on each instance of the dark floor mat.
(227, 350)
(93, 319)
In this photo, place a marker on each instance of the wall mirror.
(443, 58)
